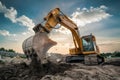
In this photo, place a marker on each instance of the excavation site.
(59, 40)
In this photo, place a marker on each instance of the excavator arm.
(55, 17)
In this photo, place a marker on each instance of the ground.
(60, 71)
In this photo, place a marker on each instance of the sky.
(99, 17)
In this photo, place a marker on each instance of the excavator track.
(74, 58)
(92, 59)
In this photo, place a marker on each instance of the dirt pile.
(61, 71)
(82, 72)
(23, 71)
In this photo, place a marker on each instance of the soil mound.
(60, 71)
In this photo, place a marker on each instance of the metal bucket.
(38, 44)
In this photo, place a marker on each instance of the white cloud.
(27, 33)
(86, 16)
(6, 33)
(8, 13)
(25, 21)
(9, 36)
(12, 15)
(24, 33)
(2, 7)
(13, 39)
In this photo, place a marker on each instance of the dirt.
(60, 71)
(83, 72)
(25, 72)
(41, 44)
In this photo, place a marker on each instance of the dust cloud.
(41, 44)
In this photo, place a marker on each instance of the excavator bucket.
(38, 44)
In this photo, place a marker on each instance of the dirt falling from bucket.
(41, 44)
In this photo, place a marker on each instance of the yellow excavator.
(85, 49)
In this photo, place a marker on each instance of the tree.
(2, 49)
(11, 50)
(7, 50)
(116, 54)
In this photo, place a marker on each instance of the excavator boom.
(55, 17)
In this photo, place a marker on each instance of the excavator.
(85, 50)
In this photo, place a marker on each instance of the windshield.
(88, 44)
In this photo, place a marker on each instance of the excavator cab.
(89, 43)
(89, 53)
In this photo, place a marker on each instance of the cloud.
(25, 21)
(6, 33)
(26, 33)
(86, 16)
(8, 13)
(11, 14)
(13, 40)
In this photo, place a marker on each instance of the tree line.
(10, 53)
(113, 54)
(7, 50)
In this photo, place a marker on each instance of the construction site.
(83, 62)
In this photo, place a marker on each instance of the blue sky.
(100, 17)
